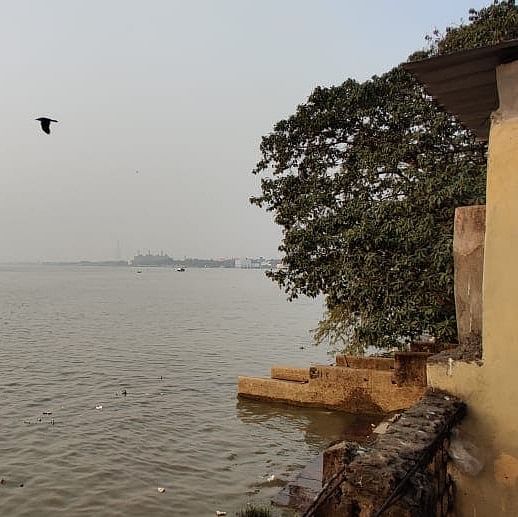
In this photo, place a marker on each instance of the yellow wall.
(492, 426)
(491, 390)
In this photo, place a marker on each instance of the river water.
(73, 338)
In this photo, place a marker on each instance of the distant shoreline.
(190, 264)
(117, 263)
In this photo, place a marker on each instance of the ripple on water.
(76, 337)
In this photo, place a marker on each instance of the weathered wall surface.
(491, 425)
(371, 363)
(468, 256)
(491, 390)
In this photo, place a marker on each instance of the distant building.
(243, 263)
(161, 259)
(256, 263)
(205, 263)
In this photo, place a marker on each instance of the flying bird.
(45, 124)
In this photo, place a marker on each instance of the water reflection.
(292, 428)
(319, 426)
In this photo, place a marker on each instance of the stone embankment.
(404, 473)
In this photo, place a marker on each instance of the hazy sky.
(182, 92)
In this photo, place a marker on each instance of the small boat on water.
(139, 270)
(180, 269)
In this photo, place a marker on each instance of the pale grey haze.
(180, 91)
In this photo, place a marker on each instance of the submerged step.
(300, 492)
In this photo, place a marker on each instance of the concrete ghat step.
(348, 389)
(289, 373)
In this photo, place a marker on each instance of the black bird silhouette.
(45, 124)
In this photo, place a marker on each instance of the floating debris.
(99, 406)
(2, 481)
(21, 485)
(161, 489)
(270, 478)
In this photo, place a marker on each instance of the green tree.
(364, 179)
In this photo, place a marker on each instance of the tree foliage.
(364, 179)
(489, 26)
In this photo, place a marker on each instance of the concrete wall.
(491, 426)
(468, 255)
(491, 390)
(371, 363)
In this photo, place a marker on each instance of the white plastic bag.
(466, 456)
